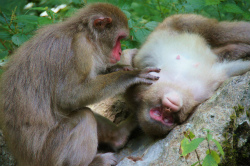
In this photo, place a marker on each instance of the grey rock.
(216, 114)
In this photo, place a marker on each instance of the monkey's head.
(162, 106)
(104, 25)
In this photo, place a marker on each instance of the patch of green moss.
(228, 144)
(248, 113)
(239, 110)
(235, 156)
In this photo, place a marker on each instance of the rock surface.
(226, 114)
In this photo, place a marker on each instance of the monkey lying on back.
(51, 79)
(190, 69)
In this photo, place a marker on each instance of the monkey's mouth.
(117, 51)
(162, 115)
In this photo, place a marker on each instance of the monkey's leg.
(234, 68)
(222, 36)
(74, 141)
(232, 51)
(216, 33)
(113, 135)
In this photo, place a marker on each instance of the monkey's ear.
(102, 22)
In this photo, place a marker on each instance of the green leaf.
(232, 8)
(212, 2)
(8, 6)
(214, 155)
(209, 161)
(207, 130)
(219, 147)
(50, 13)
(195, 4)
(130, 23)
(141, 35)
(19, 39)
(209, 137)
(27, 19)
(2, 20)
(189, 134)
(195, 163)
(29, 28)
(44, 21)
(188, 147)
(151, 25)
(5, 35)
(39, 8)
(126, 13)
(77, 2)
(71, 11)
(3, 54)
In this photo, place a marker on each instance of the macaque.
(50, 80)
(193, 53)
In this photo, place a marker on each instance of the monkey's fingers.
(144, 81)
(149, 76)
(128, 68)
(110, 159)
(151, 69)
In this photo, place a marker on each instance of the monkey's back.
(28, 91)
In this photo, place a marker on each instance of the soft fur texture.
(185, 48)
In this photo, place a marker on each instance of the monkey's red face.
(162, 106)
(117, 51)
(111, 30)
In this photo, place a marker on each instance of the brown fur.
(196, 40)
(50, 80)
(229, 40)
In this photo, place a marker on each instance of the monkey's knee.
(77, 139)
(85, 125)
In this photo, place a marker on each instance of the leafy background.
(18, 24)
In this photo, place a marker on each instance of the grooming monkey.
(185, 47)
(50, 80)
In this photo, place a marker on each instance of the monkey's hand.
(119, 67)
(146, 78)
(105, 159)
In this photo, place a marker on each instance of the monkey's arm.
(74, 93)
(228, 39)
(115, 135)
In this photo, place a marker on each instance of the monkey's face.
(162, 106)
(109, 27)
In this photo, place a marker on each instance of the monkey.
(51, 79)
(196, 55)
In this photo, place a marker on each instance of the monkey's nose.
(173, 101)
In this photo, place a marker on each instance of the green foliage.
(17, 24)
(189, 144)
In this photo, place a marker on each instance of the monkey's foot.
(105, 159)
